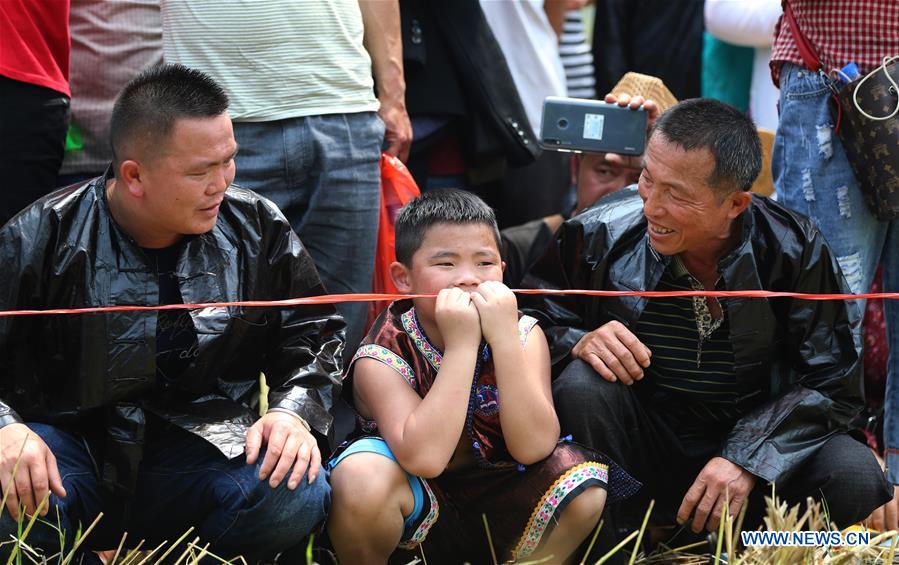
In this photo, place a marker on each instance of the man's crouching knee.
(580, 392)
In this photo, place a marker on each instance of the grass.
(779, 517)
(182, 551)
(21, 552)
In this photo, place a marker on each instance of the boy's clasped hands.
(489, 311)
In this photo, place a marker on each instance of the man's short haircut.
(444, 206)
(705, 123)
(149, 105)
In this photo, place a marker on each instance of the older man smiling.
(705, 400)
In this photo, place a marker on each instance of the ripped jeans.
(813, 176)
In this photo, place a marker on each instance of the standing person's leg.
(323, 172)
(891, 316)
(76, 511)
(340, 228)
(272, 160)
(813, 177)
(33, 124)
(185, 481)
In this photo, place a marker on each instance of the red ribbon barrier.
(336, 298)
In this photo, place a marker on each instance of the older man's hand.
(288, 445)
(634, 103)
(614, 352)
(36, 475)
(719, 481)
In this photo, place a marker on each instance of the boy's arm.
(526, 412)
(527, 416)
(423, 432)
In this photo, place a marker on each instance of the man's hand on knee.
(290, 449)
(614, 352)
(37, 474)
(720, 482)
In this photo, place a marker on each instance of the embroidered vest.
(397, 340)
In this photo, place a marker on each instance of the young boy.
(458, 389)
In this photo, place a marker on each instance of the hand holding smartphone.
(580, 125)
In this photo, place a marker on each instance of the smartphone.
(579, 125)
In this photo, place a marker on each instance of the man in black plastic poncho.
(152, 417)
(706, 400)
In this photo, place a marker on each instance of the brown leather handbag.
(866, 112)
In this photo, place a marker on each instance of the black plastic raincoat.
(96, 373)
(800, 354)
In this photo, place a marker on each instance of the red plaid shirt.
(863, 31)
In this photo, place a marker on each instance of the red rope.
(336, 298)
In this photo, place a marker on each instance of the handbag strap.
(806, 49)
(887, 62)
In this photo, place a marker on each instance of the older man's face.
(684, 213)
(186, 181)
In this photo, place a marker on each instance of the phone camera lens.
(563, 123)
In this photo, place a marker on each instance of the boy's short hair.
(443, 206)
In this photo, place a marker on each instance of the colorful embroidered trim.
(367, 426)
(591, 471)
(525, 325)
(389, 358)
(410, 324)
(422, 531)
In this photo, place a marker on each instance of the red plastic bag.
(397, 189)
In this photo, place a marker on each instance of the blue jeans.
(323, 173)
(183, 481)
(813, 176)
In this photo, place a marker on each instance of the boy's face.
(451, 255)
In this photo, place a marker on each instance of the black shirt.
(176, 337)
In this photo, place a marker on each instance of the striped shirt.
(693, 376)
(577, 58)
(112, 41)
(863, 31)
(277, 59)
